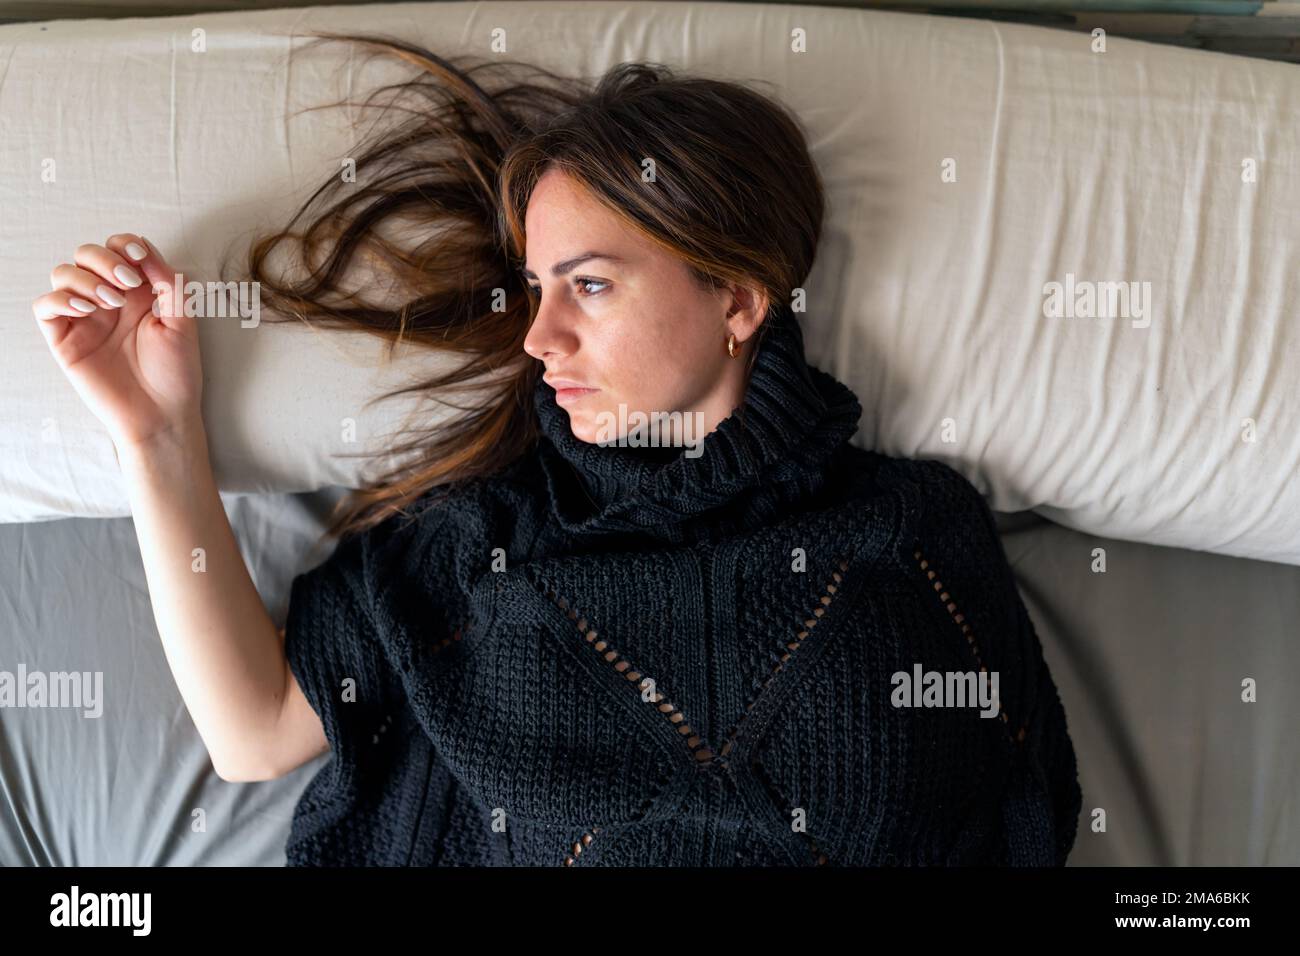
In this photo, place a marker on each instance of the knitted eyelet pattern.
(666, 707)
(960, 620)
(823, 602)
(699, 749)
(624, 667)
(587, 836)
(818, 611)
(578, 846)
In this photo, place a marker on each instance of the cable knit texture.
(620, 656)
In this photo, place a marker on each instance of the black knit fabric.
(620, 656)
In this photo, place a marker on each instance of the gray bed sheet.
(134, 786)
(1149, 657)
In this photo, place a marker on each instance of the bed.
(1179, 764)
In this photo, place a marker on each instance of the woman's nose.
(548, 335)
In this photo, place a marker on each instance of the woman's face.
(626, 321)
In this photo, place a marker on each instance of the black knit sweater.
(617, 656)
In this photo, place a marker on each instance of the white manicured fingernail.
(110, 296)
(81, 305)
(136, 251)
(127, 276)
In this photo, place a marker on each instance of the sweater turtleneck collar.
(768, 454)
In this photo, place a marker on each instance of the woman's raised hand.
(133, 362)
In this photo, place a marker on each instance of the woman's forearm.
(220, 642)
(117, 325)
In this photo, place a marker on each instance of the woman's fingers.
(164, 281)
(50, 316)
(58, 310)
(130, 246)
(113, 268)
(87, 285)
(64, 302)
(127, 272)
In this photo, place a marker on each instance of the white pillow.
(285, 406)
(968, 165)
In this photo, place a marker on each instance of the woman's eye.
(537, 289)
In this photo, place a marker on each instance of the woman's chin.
(583, 425)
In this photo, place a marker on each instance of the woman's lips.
(565, 395)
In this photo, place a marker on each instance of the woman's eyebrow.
(564, 267)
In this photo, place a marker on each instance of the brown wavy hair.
(438, 207)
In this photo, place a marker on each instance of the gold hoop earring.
(731, 345)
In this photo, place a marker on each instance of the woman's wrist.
(180, 448)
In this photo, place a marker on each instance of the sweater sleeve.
(959, 541)
(338, 657)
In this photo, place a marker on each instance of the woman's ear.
(747, 311)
